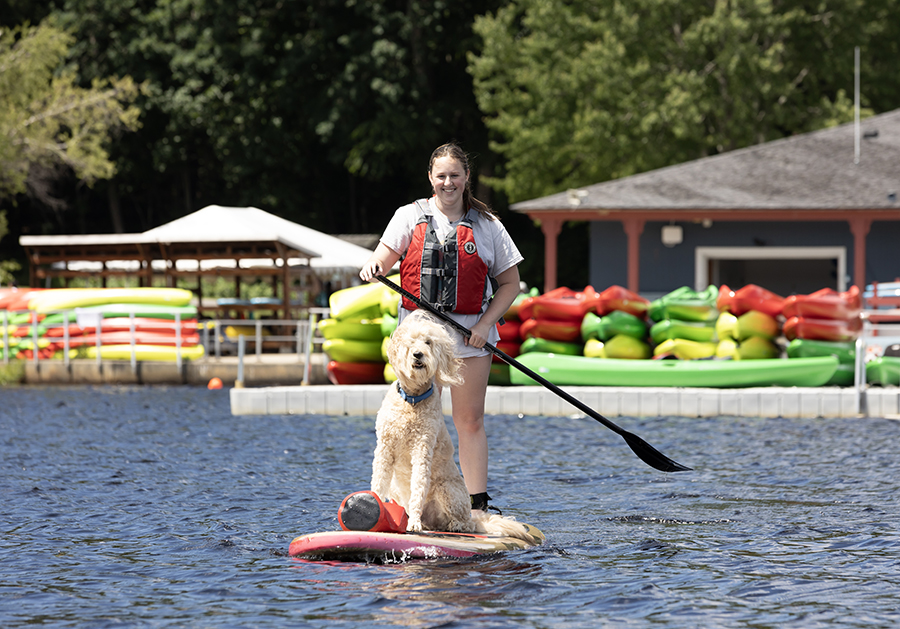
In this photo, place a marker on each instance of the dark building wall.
(666, 268)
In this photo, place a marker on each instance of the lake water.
(155, 507)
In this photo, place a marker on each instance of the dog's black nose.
(418, 355)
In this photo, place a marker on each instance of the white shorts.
(460, 349)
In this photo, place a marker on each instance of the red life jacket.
(451, 276)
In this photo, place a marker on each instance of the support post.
(860, 229)
(634, 227)
(551, 228)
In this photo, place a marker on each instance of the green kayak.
(884, 370)
(583, 371)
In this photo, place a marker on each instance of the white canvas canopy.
(215, 223)
(218, 224)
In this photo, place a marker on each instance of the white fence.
(302, 339)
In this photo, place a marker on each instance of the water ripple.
(154, 506)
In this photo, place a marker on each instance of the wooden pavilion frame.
(50, 258)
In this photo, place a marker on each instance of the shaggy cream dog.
(414, 457)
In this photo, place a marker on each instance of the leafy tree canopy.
(47, 122)
(296, 107)
(579, 92)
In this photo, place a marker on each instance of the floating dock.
(364, 400)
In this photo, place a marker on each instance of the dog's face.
(420, 350)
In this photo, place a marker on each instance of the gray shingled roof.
(810, 171)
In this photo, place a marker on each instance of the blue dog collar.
(415, 399)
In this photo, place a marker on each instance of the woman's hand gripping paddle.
(645, 452)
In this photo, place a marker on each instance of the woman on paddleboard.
(456, 255)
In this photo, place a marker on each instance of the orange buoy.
(214, 383)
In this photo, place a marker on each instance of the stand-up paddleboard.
(379, 547)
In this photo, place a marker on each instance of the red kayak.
(553, 330)
(565, 305)
(123, 337)
(141, 324)
(510, 348)
(526, 308)
(750, 297)
(355, 373)
(825, 304)
(511, 331)
(619, 298)
(18, 299)
(821, 329)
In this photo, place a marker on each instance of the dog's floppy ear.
(393, 342)
(448, 366)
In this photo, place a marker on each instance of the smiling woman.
(458, 258)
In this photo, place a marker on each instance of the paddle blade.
(650, 455)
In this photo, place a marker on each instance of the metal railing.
(302, 340)
(883, 332)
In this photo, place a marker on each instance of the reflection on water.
(156, 507)
(428, 593)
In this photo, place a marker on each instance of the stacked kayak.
(748, 326)
(556, 316)
(511, 342)
(825, 322)
(684, 324)
(114, 322)
(714, 337)
(362, 317)
(616, 327)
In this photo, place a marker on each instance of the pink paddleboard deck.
(397, 547)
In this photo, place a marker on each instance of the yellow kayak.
(68, 298)
(619, 346)
(359, 302)
(157, 353)
(685, 349)
(751, 323)
(348, 351)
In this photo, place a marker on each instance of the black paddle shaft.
(647, 453)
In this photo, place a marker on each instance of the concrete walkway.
(608, 401)
(267, 370)
(271, 386)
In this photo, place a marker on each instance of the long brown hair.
(453, 151)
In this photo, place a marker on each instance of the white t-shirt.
(495, 247)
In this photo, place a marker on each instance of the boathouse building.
(793, 215)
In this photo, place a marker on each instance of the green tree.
(47, 122)
(323, 112)
(578, 92)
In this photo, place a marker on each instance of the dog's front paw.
(414, 524)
